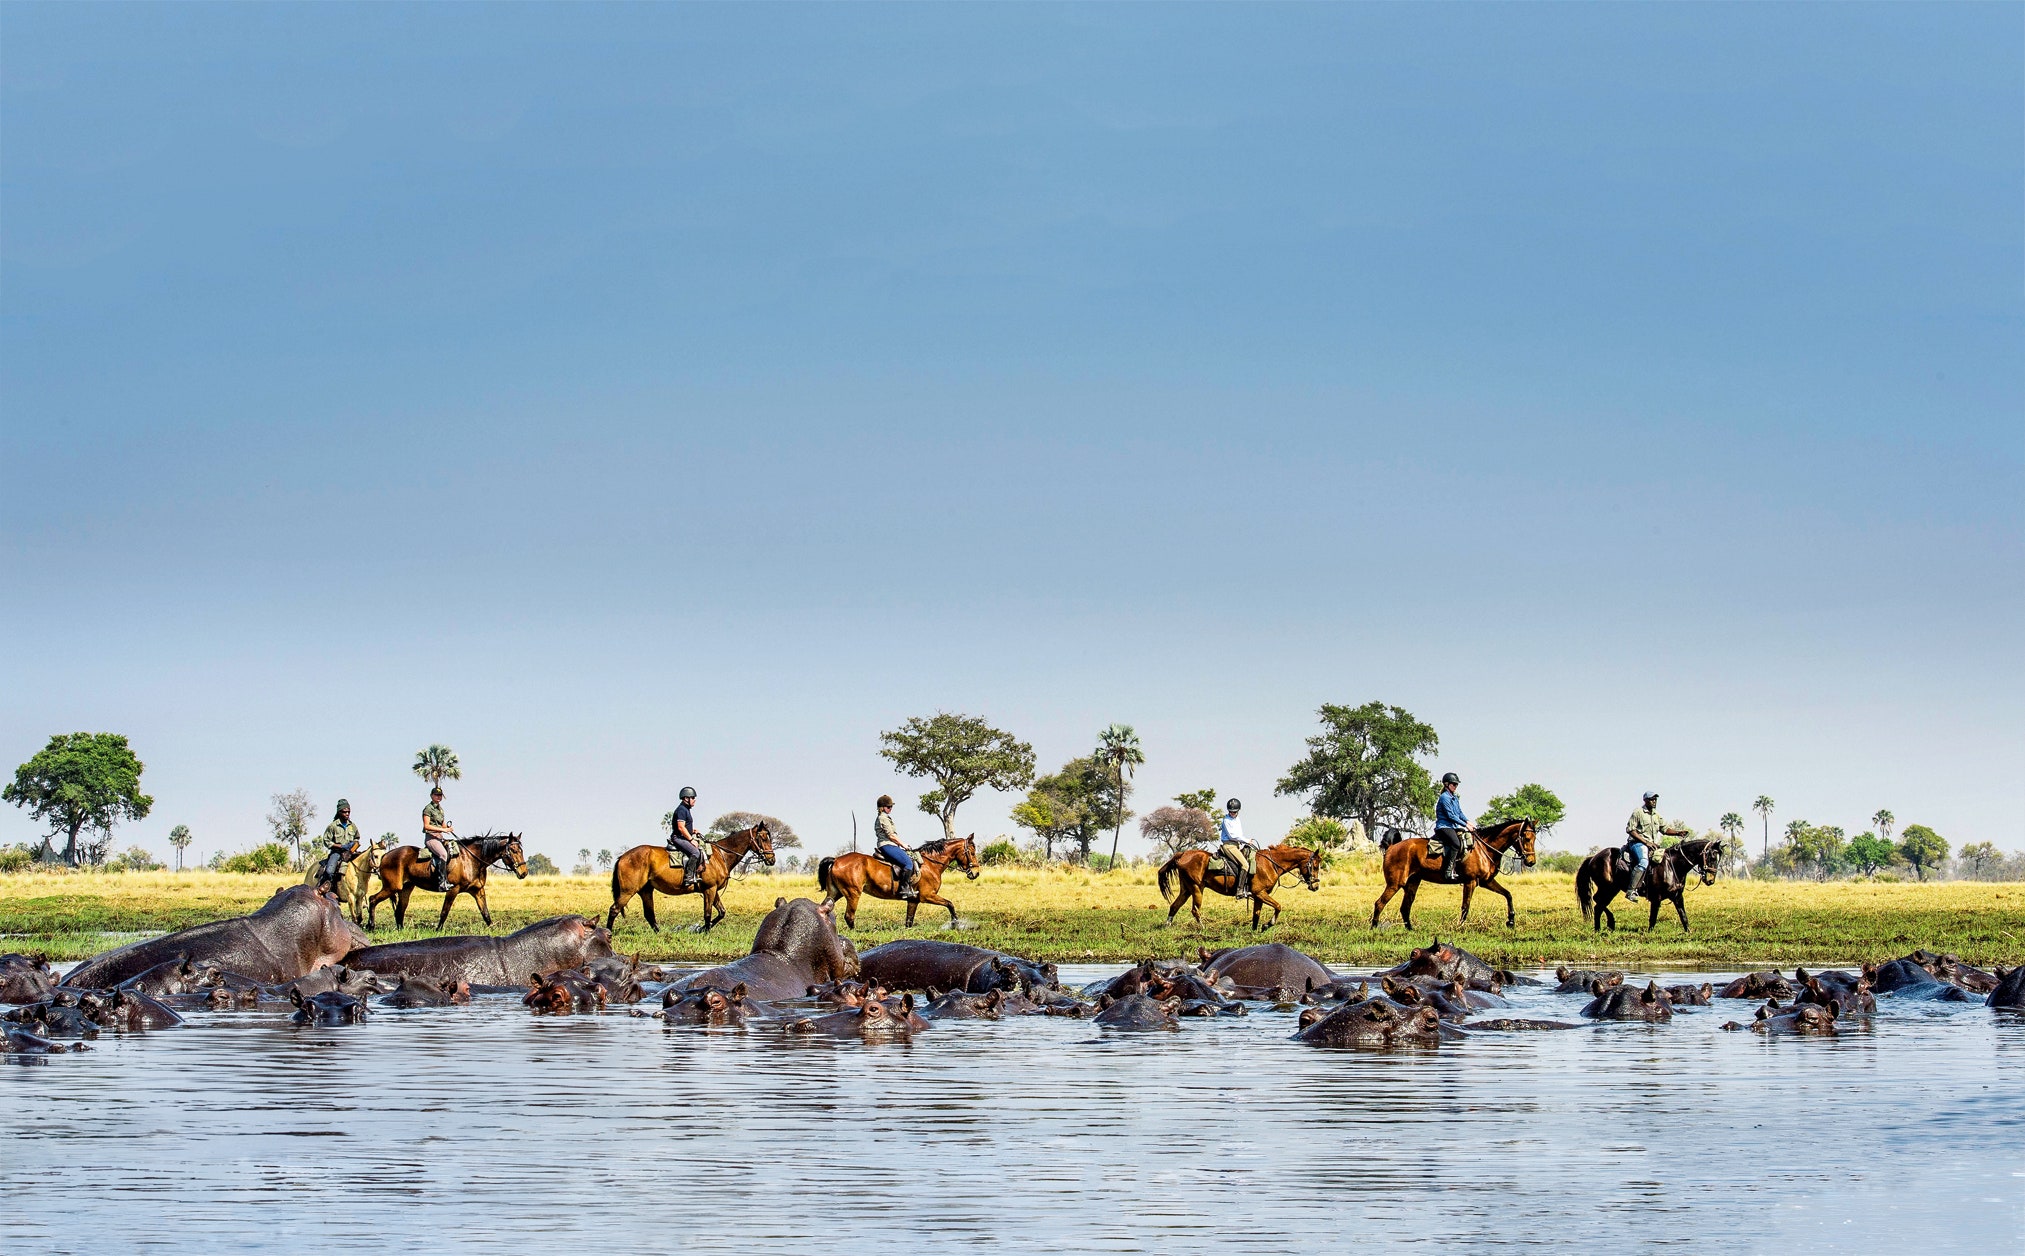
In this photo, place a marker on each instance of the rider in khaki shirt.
(437, 835)
(1643, 832)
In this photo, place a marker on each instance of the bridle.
(1308, 865)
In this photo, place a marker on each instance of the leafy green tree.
(539, 865)
(1364, 765)
(179, 837)
(1075, 805)
(1764, 807)
(80, 781)
(1977, 858)
(1870, 854)
(290, 820)
(1118, 745)
(1200, 799)
(1528, 802)
(264, 858)
(436, 764)
(782, 833)
(1176, 829)
(1923, 848)
(961, 754)
(1050, 813)
(1000, 853)
(1318, 833)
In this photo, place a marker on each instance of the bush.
(542, 866)
(1318, 833)
(1101, 863)
(16, 859)
(1559, 861)
(1001, 852)
(264, 858)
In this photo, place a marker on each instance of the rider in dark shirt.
(683, 841)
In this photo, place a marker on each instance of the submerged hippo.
(1136, 1013)
(621, 976)
(1765, 985)
(1853, 1000)
(2010, 991)
(709, 1006)
(1212, 1007)
(797, 946)
(1514, 1024)
(328, 1008)
(1451, 1001)
(62, 1015)
(1268, 967)
(1446, 962)
(182, 975)
(1376, 1022)
(422, 992)
(956, 1005)
(1629, 1003)
(21, 1041)
(26, 979)
(1578, 980)
(128, 1010)
(357, 982)
(1690, 996)
(1907, 979)
(919, 963)
(559, 994)
(872, 1020)
(545, 946)
(1798, 1018)
(298, 931)
(1951, 969)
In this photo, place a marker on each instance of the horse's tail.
(1582, 893)
(823, 870)
(1170, 878)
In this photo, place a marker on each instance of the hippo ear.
(906, 1002)
(1835, 1009)
(1561, 973)
(295, 996)
(1800, 975)
(738, 991)
(1104, 1001)
(1763, 1012)
(1708, 991)
(780, 902)
(994, 999)
(1597, 986)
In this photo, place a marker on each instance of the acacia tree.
(1176, 829)
(1118, 745)
(780, 831)
(1364, 765)
(1976, 858)
(1074, 805)
(1200, 799)
(1764, 807)
(1528, 802)
(1868, 853)
(961, 754)
(1048, 813)
(1923, 848)
(179, 837)
(80, 781)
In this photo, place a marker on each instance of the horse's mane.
(1699, 844)
(939, 845)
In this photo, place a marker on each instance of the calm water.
(510, 1131)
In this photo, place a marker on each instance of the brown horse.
(1184, 878)
(405, 869)
(1408, 863)
(848, 876)
(645, 869)
(1600, 879)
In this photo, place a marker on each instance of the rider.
(342, 836)
(1236, 851)
(1643, 831)
(437, 834)
(682, 838)
(886, 835)
(1452, 829)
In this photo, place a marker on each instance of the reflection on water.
(482, 1127)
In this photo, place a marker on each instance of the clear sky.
(641, 396)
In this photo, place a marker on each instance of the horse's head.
(963, 854)
(1707, 860)
(373, 852)
(1310, 868)
(762, 841)
(505, 851)
(1523, 843)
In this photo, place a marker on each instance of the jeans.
(1638, 854)
(898, 855)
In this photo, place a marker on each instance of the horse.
(645, 869)
(354, 879)
(1184, 877)
(1599, 880)
(848, 876)
(404, 868)
(1408, 862)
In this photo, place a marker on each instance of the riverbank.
(1076, 916)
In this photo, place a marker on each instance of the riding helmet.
(688, 792)
(1450, 778)
(1232, 805)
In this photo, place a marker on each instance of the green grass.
(1070, 916)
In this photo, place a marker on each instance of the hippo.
(559, 994)
(298, 931)
(1578, 980)
(873, 1020)
(1690, 996)
(797, 946)
(1765, 985)
(956, 1005)
(26, 979)
(545, 946)
(1908, 979)
(25, 1042)
(1446, 962)
(422, 992)
(1510, 1024)
(621, 977)
(1798, 1018)
(128, 1010)
(2010, 991)
(1135, 1013)
(1951, 969)
(1451, 1001)
(1137, 979)
(62, 1015)
(328, 1008)
(1373, 1022)
(178, 976)
(1629, 1003)
(221, 998)
(918, 963)
(357, 982)
(1271, 966)
(709, 1006)
(1855, 1000)
(848, 993)
(1212, 1007)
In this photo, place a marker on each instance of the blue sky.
(648, 395)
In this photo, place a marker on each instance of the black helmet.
(1233, 805)
(1450, 778)
(688, 792)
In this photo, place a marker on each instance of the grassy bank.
(1068, 915)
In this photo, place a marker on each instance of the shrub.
(1318, 833)
(16, 859)
(264, 858)
(542, 866)
(1559, 861)
(1001, 852)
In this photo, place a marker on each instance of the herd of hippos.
(802, 976)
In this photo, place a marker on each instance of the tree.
(583, 868)
(604, 861)
(80, 781)
(539, 865)
(437, 764)
(1884, 820)
(1075, 804)
(1200, 799)
(961, 754)
(290, 819)
(1764, 807)
(1364, 765)
(1923, 848)
(1049, 813)
(1320, 833)
(1176, 829)
(179, 837)
(1732, 826)
(780, 831)
(1870, 854)
(1977, 858)
(1118, 745)
(1528, 802)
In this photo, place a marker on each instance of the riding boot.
(689, 877)
(438, 867)
(910, 886)
(1637, 880)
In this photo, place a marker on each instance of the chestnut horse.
(1408, 863)
(1600, 879)
(848, 876)
(1184, 878)
(645, 869)
(405, 869)
(355, 879)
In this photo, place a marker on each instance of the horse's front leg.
(1469, 891)
(1680, 907)
(448, 899)
(935, 899)
(478, 896)
(709, 905)
(1260, 901)
(1511, 913)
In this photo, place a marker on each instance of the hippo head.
(323, 933)
(806, 933)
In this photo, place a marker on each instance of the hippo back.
(918, 963)
(296, 932)
(545, 946)
(1271, 965)
(2010, 991)
(797, 946)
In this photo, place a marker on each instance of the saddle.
(879, 853)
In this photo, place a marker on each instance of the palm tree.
(437, 764)
(179, 837)
(1764, 807)
(1120, 745)
(1884, 820)
(1731, 824)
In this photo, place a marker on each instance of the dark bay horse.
(1602, 877)
(1408, 862)
(406, 868)
(645, 869)
(1184, 878)
(848, 876)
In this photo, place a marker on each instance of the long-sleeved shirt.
(1448, 813)
(887, 833)
(1646, 826)
(1229, 830)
